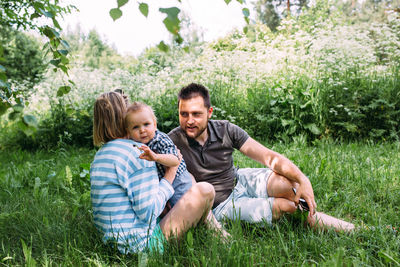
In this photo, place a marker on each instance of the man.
(260, 195)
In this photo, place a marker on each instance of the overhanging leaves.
(163, 47)
(62, 90)
(172, 21)
(144, 9)
(122, 3)
(30, 120)
(115, 13)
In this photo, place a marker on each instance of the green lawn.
(45, 213)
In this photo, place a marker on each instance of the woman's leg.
(193, 207)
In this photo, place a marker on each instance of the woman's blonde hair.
(108, 120)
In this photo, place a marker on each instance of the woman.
(127, 195)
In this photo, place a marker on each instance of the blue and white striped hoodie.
(127, 196)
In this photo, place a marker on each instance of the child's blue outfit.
(162, 144)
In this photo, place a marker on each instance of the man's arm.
(282, 166)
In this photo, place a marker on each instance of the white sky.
(133, 32)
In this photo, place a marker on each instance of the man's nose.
(190, 119)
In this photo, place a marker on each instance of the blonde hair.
(138, 106)
(108, 119)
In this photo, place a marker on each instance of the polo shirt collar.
(213, 133)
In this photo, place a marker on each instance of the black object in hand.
(302, 202)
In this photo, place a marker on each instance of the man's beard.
(201, 131)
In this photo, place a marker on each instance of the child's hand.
(147, 154)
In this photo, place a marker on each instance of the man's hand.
(147, 154)
(306, 192)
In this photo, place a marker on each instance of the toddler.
(141, 125)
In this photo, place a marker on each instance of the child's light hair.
(108, 119)
(138, 106)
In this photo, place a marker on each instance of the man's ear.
(210, 111)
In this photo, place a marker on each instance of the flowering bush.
(314, 77)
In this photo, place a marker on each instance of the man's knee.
(282, 206)
(280, 186)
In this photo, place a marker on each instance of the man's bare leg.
(324, 221)
(193, 207)
(281, 188)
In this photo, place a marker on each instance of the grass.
(45, 216)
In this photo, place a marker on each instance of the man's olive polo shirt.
(212, 162)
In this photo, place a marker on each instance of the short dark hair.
(193, 90)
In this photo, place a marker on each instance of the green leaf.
(29, 260)
(37, 6)
(3, 107)
(2, 68)
(56, 24)
(172, 21)
(64, 69)
(46, 13)
(11, 14)
(55, 62)
(3, 77)
(34, 16)
(178, 39)
(64, 59)
(167, 123)
(65, 44)
(240, 1)
(246, 12)
(13, 115)
(122, 2)
(56, 33)
(3, 83)
(46, 31)
(172, 26)
(71, 82)
(287, 122)
(63, 52)
(245, 29)
(163, 47)
(189, 238)
(62, 90)
(30, 120)
(144, 9)
(313, 128)
(172, 12)
(227, 1)
(18, 107)
(115, 13)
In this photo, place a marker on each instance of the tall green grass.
(45, 214)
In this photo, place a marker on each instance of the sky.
(133, 32)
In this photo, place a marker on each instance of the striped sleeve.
(147, 194)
